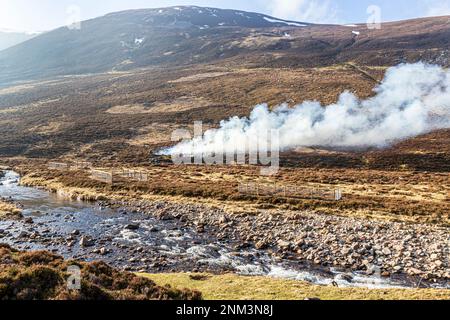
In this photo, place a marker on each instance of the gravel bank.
(330, 241)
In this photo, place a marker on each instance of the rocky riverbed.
(328, 241)
(166, 237)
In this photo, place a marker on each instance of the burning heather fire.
(413, 99)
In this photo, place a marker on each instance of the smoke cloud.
(413, 99)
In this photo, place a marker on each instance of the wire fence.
(80, 165)
(289, 191)
(138, 175)
(110, 176)
(102, 176)
(58, 166)
(99, 174)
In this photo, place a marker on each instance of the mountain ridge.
(189, 35)
(10, 38)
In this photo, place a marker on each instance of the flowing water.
(139, 242)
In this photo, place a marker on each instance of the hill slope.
(11, 38)
(191, 35)
(130, 39)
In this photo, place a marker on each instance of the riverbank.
(42, 275)
(234, 287)
(9, 210)
(386, 249)
(381, 195)
(119, 224)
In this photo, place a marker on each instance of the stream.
(139, 242)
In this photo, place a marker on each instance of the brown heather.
(42, 275)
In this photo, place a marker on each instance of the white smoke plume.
(413, 99)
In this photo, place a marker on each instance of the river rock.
(385, 274)
(284, 244)
(438, 263)
(28, 220)
(223, 220)
(24, 234)
(260, 245)
(132, 226)
(346, 277)
(86, 242)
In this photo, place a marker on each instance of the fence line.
(107, 176)
(102, 176)
(77, 165)
(58, 166)
(137, 175)
(289, 191)
(251, 188)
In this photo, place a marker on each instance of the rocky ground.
(385, 248)
(333, 241)
(389, 249)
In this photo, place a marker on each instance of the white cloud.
(316, 11)
(438, 8)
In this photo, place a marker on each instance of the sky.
(44, 15)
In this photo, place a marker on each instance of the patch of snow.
(139, 41)
(356, 33)
(350, 25)
(222, 24)
(285, 22)
(295, 24)
(287, 35)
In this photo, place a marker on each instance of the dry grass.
(233, 287)
(376, 194)
(160, 96)
(181, 104)
(408, 182)
(9, 211)
(199, 76)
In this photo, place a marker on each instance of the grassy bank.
(373, 195)
(233, 287)
(370, 194)
(9, 211)
(43, 275)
